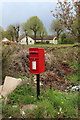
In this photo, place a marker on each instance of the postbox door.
(34, 66)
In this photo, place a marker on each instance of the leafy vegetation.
(70, 21)
(35, 25)
(74, 77)
(61, 67)
(22, 92)
(65, 40)
(8, 111)
(51, 104)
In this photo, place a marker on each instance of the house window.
(30, 41)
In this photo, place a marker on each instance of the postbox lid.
(31, 52)
(35, 49)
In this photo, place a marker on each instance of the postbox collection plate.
(34, 65)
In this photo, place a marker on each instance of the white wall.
(50, 41)
(30, 41)
(5, 39)
(38, 40)
(55, 42)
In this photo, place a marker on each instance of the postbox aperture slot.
(33, 53)
(34, 58)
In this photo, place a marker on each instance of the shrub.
(65, 40)
(59, 41)
(71, 40)
(63, 36)
(43, 42)
(38, 42)
(47, 42)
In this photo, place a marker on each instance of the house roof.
(21, 37)
(49, 37)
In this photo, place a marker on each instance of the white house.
(5, 40)
(50, 39)
(30, 40)
(54, 41)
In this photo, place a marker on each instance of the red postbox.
(37, 60)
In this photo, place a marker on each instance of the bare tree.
(14, 31)
(64, 12)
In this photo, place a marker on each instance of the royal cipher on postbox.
(37, 60)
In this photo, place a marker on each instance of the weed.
(50, 104)
(22, 94)
(8, 111)
(74, 78)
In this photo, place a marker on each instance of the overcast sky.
(18, 11)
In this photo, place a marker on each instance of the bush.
(65, 40)
(38, 42)
(71, 40)
(47, 42)
(59, 41)
(63, 36)
(43, 42)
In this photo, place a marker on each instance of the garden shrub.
(71, 40)
(63, 37)
(65, 40)
(47, 42)
(59, 41)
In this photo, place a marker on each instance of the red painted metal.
(36, 60)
